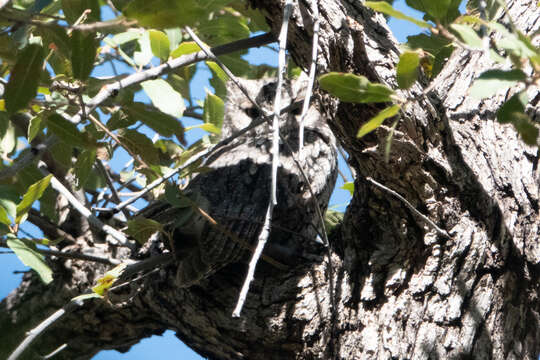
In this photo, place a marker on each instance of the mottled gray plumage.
(236, 191)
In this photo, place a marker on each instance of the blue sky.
(163, 346)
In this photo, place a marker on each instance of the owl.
(236, 190)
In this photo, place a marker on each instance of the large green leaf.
(187, 47)
(9, 199)
(83, 166)
(407, 69)
(164, 97)
(24, 78)
(443, 11)
(139, 144)
(491, 81)
(34, 192)
(170, 13)
(468, 35)
(159, 43)
(66, 130)
(218, 80)
(377, 120)
(161, 123)
(516, 104)
(354, 88)
(526, 128)
(31, 258)
(214, 110)
(83, 53)
(141, 228)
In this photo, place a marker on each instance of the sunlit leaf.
(159, 43)
(491, 81)
(187, 47)
(354, 88)
(24, 79)
(407, 69)
(164, 97)
(467, 34)
(377, 120)
(161, 123)
(105, 282)
(30, 258)
(34, 192)
(349, 186)
(214, 110)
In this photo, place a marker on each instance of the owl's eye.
(252, 112)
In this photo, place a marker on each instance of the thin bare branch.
(312, 72)
(412, 208)
(92, 219)
(265, 232)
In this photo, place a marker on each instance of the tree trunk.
(395, 288)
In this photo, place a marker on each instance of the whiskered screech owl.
(236, 191)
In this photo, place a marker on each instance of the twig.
(412, 208)
(55, 351)
(52, 229)
(212, 56)
(184, 60)
(265, 232)
(312, 71)
(92, 219)
(131, 269)
(263, 237)
(109, 180)
(72, 255)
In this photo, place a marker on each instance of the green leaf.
(526, 128)
(161, 123)
(187, 47)
(170, 13)
(349, 186)
(491, 81)
(211, 128)
(467, 34)
(125, 37)
(141, 229)
(387, 9)
(179, 84)
(174, 196)
(34, 192)
(218, 80)
(34, 127)
(159, 43)
(65, 130)
(8, 140)
(144, 55)
(9, 199)
(73, 10)
(407, 69)
(443, 11)
(354, 88)
(377, 120)
(164, 97)
(139, 144)
(332, 219)
(31, 258)
(214, 110)
(83, 53)
(516, 104)
(4, 219)
(24, 78)
(105, 282)
(84, 165)
(175, 37)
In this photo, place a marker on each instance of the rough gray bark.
(400, 291)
